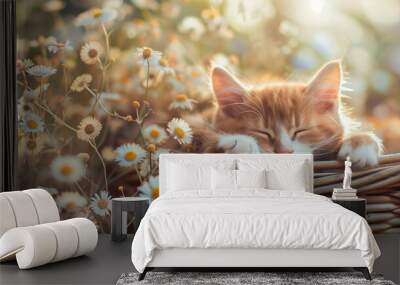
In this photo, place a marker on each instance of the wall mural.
(105, 87)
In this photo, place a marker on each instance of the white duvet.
(253, 218)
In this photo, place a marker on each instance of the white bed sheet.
(252, 218)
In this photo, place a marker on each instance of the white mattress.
(252, 219)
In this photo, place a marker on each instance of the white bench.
(31, 231)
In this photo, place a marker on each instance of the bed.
(247, 210)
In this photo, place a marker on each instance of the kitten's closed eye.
(263, 133)
(298, 132)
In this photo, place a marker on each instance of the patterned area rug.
(269, 278)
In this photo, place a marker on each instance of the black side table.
(119, 215)
(356, 205)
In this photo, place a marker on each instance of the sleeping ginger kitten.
(287, 118)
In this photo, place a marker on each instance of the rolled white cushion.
(87, 235)
(41, 244)
(7, 219)
(33, 246)
(66, 238)
(45, 205)
(23, 208)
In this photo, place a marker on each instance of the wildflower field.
(106, 86)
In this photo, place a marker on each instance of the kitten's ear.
(324, 88)
(229, 92)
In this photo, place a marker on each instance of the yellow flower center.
(181, 97)
(195, 73)
(93, 53)
(102, 204)
(163, 62)
(97, 12)
(180, 133)
(89, 129)
(71, 205)
(130, 156)
(31, 144)
(155, 192)
(66, 170)
(147, 52)
(154, 133)
(32, 124)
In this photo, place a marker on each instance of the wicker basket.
(380, 185)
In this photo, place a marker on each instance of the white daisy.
(32, 123)
(91, 52)
(101, 204)
(150, 188)
(147, 55)
(96, 16)
(81, 82)
(67, 168)
(180, 130)
(70, 201)
(164, 68)
(129, 154)
(182, 102)
(41, 71)
(33, 93)
(89, 128)
(192, 26)
(154, 134)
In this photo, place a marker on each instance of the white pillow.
(293, 181)
(282, 174)
(223, 179)
(182, 177)
(251, 178)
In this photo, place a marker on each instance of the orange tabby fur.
(286, 118)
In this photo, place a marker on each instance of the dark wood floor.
(103, 266)
(111, 259)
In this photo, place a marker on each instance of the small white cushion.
(296, 181)
(282, 174)
(183, 177)
(223, 179)
(251, 178)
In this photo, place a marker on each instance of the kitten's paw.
(238, 144)
(362, 149)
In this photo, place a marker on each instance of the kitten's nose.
(284, 149)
